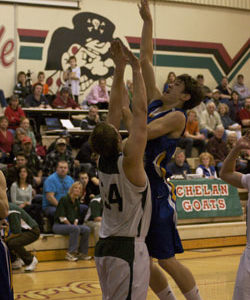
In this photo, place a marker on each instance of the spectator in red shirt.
(244, 114)
(14, 112)
(6, 137)
(65, 100)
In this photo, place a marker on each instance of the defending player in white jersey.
(239, 180)
(121, 254)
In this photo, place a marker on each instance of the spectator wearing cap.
(55, 187)
(14, 112)
(60, 153)
(64, 100)
(65, 135)
(240, 88)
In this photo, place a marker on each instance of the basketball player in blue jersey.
(166, 124)
(121, 253)
(6, 289)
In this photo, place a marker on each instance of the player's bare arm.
(118, 91)
(3, 197)
(228, 172)
(146, 52)
(136, 143)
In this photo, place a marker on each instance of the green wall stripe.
(240, 65)
(29, 52)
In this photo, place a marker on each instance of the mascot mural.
(89, 42)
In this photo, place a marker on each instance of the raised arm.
(146, 52)
(4, 207)
(227, 172)
(136, 142)
(118, 95)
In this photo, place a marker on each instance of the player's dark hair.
(104, 140)
(193, 89)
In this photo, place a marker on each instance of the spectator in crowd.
(205, 89)
(41, 80)
(227, 122)
(244, 114)
(224, 88)
(14, 112)
(192, 136)
(19, 136)
(36, 99)
(64, 100)
(235, 105)
(22, 89)
(179, 166)
(209, 120)
(84, 156)
(216, 97)
(6, 139)
(217, 147)
(66, 136)
(25, 125)
(60, 153)
(199, 109)
(55, 187)
(3, 102)
(169, 82)
(92, 118)
(240, 88)
(206, 167)
(67, 223)
(24, 231)
(93, 217)
(242, 160)
(21, 193)
(72, 77)
(99, 95)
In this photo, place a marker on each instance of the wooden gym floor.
(214, 270)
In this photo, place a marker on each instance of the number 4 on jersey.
(114, 197)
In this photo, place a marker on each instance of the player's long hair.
(104, 140)
(193, 89)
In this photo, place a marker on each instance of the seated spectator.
(216, 98)
(244, 114)
(199, 109)
(84, 156)
(55, 187)
(224, 88)
(192, 136)
(24, 231)
(169, 82)
(60, 153)
(36, 99)
(93, 217)
(99, 95)
(22, 89)
(3, 102)
(64, 100)
(19, 136)
(217, 147)
(66, 136)
(25, 125)
(240, 88)
(205, 89)
(14, 112)
(66, 223)
(179, 166)
(242, 160)
(41, 80)
(6, 139)
(227, 122)
(209, 120)
(92, 118)
(21, 193)
(235, 105)
(206, 167)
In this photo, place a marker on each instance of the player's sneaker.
(82, 256)
(31, 267)
(70, 257)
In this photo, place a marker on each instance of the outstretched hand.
(118, 56)
(144, 10)
(244, 142)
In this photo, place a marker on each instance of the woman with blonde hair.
(66, 223)
(206, 167)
